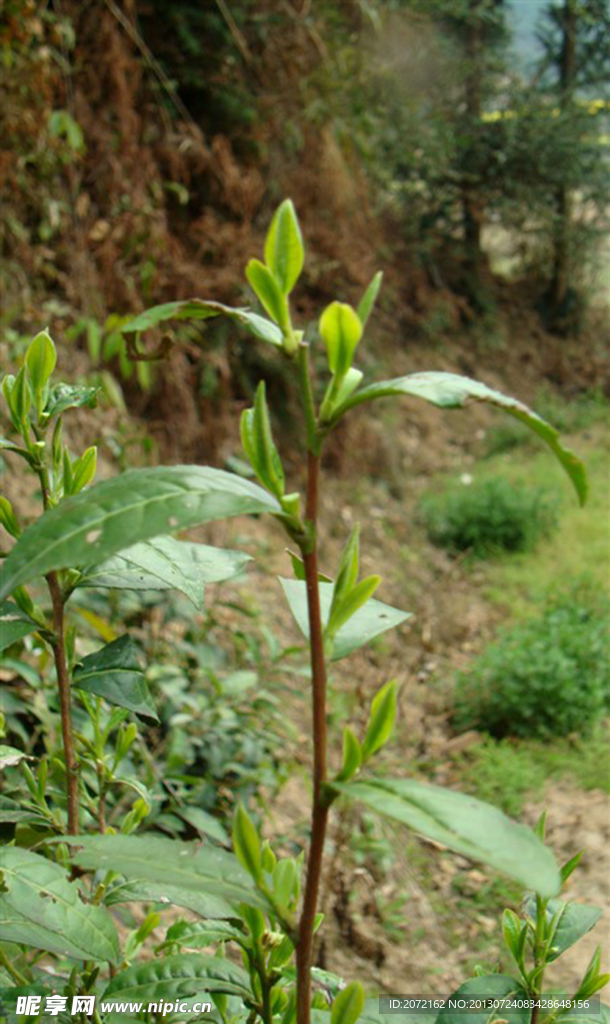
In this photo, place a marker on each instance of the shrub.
(490, 516)
(118, 534)
(547, 677)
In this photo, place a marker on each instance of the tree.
(576, 60)
(480, 30)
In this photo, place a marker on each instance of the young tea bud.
(284, 252)
(40, 360)
(341, 331)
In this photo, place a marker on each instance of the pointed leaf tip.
(451, 391)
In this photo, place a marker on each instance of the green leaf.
(70, 396)
(571, 866)
(573, 921)
(40, 359)
(200, 309)
(285, 881)
(358, 597)
(8, 520)
(114, 514)
(169, 864)
(203, 903)
(83, 469)
(165, 563)
(284, 252)
(268, 291)
(347, 573)
(593, 1016)
(21, 398)
(115, 674)
(381, 720)
(39, 907)
(371, 620)
(299, 568)
(259, 446)
(246, 843)
(348, 385)
(369, 298)
(12, 812)
(512, 930)
(494, 986)
(352, 755)
(463, 824)
(199, 934)
(14, 624)
(205, 823)
(450, 391)
(348, 1004)
(184, 977)
(10, 756)
(341, 331)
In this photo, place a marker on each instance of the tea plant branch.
(304, 949)
(63, 683)
(16, 975)
(58, 643)
(311, 426)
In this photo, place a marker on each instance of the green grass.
(581, 545)
(508, 773)
(546, 676)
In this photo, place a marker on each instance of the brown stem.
(63, 682)
(304, 950)
(101, 802)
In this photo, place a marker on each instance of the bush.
(490, 516)
(547, 677)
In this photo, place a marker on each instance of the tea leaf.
(200, 309)
(498, 986)
(167, 864)
(465, 825)
(114, 514)
(114, 673)
(165, 563)
(368, 622)
(450, 391)
(39, 907)
(574, 921)
(14, 624)
(40, 359)
(186, 976)
(284, 253)
(348, 1004)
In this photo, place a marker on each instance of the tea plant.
(64, 865)
(546, 677)
(488, 517)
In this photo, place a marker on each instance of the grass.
(546, 676)
(581, 545)
(508, 773)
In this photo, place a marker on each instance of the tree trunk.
(471, 204)
(561, 261)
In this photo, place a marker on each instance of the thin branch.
(63, 683)
(304, 949)
(151, 60)
(234, 29)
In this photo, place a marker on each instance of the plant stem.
(63, 683)
(16, 975)
(304, 949)
(63, 676)
(313, 440)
